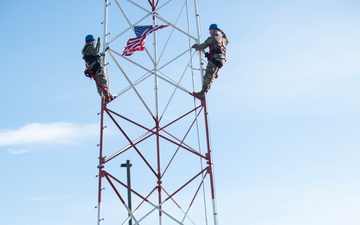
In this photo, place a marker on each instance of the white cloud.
(18, 151)
(39, 198)
(37, 133)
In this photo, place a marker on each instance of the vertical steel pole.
(198, 26)
(128, 165)
(159, 187)
(210, 163)
(208, 142)
(105, 34)
(101, 160)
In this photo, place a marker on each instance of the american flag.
(138, 43)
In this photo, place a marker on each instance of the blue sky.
(284, 113)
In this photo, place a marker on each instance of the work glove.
(98, 40)
(194, 46)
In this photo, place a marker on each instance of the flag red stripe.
(138, 43)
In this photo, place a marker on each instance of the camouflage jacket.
(217, 46)
(91, 53)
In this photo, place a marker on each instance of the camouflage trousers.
(211, 71)
(100, 77)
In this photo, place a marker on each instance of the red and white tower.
(155, 127)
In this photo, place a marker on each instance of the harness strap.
(210, 57)
(106, 92)
(219, 50)
(216, 62)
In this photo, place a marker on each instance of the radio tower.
(155, 127)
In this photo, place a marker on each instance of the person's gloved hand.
(98, 40)
(194, 46)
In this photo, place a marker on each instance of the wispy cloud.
(18, 151)
(37, 133)
(39, 198)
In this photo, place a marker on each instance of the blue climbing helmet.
(213, 26)
(89, 38)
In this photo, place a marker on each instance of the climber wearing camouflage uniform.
(216, 57)
(92, 57)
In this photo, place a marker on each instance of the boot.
(201, 94)
(109, 98)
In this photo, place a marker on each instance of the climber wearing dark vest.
(92, 58)
(216, 57)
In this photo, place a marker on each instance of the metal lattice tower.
(155, 123)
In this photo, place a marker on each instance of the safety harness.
(219, 50)
(90, 72)
(90, 59)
